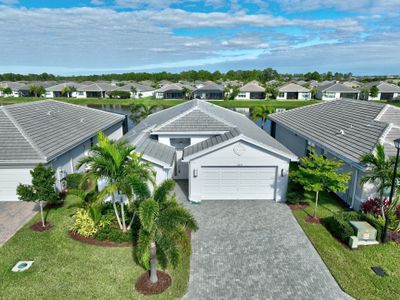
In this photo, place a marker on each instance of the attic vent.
(83, 120)
(49, 113)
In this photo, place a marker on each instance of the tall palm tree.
(261, 112)
(108, 160)
(140, 111)
(134, 91)
(379, 171)
(163, 233)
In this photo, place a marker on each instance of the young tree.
(374, 91)
(271, 91)
(140, 111)
(187, 93)
(37, 90)
(317, 173)
(163, 233)
(261, 112)
(379, 171)
(67, 91)
(7, 91)
(134, 91)
(41, 189)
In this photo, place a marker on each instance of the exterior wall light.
(195, 173)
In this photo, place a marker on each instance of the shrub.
(84, 225)
(111, 233)
(339, 225)
(295, 193)
(373, 206)
(73, 180)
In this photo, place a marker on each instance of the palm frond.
(164, 189)
(148, 212)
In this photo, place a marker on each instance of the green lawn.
(352, 268)
(168, 103)
(68, 269)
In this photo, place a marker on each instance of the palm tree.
(108, 161)
(140, 111)
(261, 112)
(134, 91)
(67, 90)
(187, 93)
(379, 171)
(163, 233)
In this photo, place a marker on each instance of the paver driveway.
(13, 215)
(253, 250)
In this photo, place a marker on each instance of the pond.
(120, 109)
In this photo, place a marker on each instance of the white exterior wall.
(243, 96)
(81, 95)
(281, 97)
(304, 96)
(252, 156)
(395, 95)
(10, 178)
(329, 96)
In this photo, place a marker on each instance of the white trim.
(240, 137)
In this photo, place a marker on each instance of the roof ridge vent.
(341, 132)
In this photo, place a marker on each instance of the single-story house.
(172, 91)
(342, 129)
(222, 153)
(54, 133)
(57, 90)
(95, 90)
(250, 91)
(210, 91)
(147, 82)
(293, 91)
(137, 90)
(387, 91)
(336, 90)
(353, 84)
(14, 86)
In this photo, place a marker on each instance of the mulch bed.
(297, 206)
(312, 220)
(394, 236)
(56, 204)
(39, 228)
(93, 241)
(144, 286)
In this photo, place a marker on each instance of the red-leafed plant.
(374, 206)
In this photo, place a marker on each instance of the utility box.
(364, 231)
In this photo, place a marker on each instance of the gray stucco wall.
(293, 142)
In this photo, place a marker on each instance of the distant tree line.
(191, 75)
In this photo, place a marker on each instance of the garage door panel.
(9, 180)
(232, 183)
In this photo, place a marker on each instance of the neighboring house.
(14, 86)
(301, 82)
(387, 91)
(164, 82)
(95, 90)
(54, 133)
(341, 129)
(147, 82)
(210, 91)
(57, 90)
(222, 153)
(142, 91)
(353, 84)
(171, 91)
(312, 83)
(336, 90)
(293, 91)
(251, 90)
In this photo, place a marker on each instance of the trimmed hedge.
(110, 233)
(339, 225)
(73, 180)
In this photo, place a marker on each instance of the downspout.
(354, 189)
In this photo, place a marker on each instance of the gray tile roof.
(14, 86)
(152, 148)
(211, 86)
(293, 88)
(97, 87)
(46, 129)
(139, 87)
(350, 128)
(383, 87)
(336, 87)
(194, 120)
(169, 87)
(210, 142)
(59, 87)
(252, 87)
(187, 115)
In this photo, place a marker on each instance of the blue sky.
(103, 36)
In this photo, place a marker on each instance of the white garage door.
(238, 183)
(9, 180)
